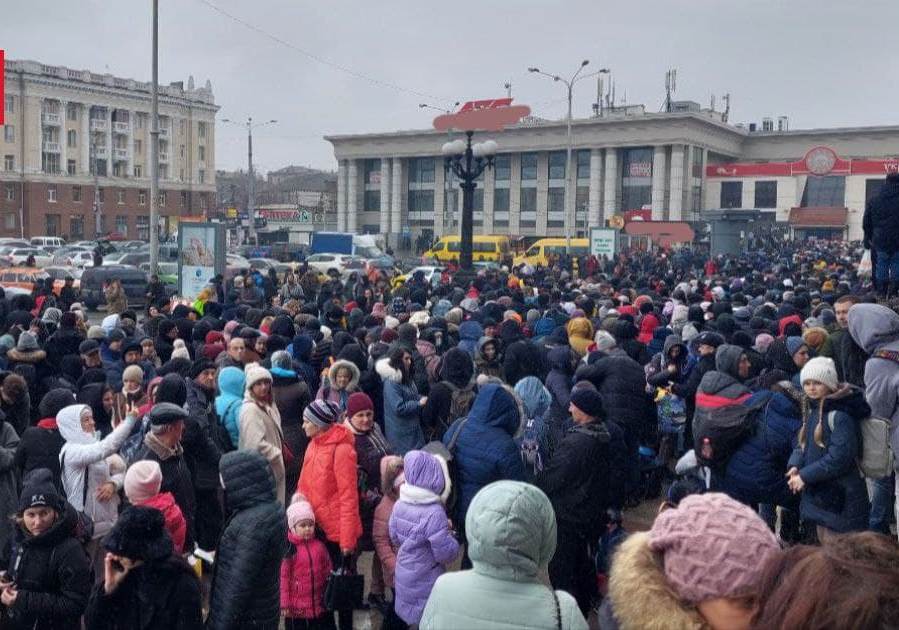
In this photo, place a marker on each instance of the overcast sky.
(820, 63)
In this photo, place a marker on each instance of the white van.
(48, 241)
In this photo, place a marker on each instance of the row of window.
(53, 197)
(819, 192)
(53, 224)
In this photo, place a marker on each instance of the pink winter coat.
(380, 535)
(303, 578)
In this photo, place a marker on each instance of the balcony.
(99, 124)
(163, 157)
(51, 119)
(121, 127)
(99, 153)
(120, 154)
(51, 147)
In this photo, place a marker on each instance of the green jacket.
(511, 531)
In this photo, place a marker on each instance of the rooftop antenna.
(670, 87)
(726, 113)
(597, 106)
(509, 89)
(712, 105)
(613, 94)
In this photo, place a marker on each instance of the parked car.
(73, 258)
(341, 263)
(133, 280)
(431, 273)
(47, 241)
(167, 272)
(59, 275)
(25, 278)
(128, 258)
(19, 255)
(14, 242)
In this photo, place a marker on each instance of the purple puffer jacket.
(419, 528)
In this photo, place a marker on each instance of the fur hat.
(821, 369)
(139, 534)
(55, 401)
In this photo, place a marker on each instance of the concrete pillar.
(489, 195)
(131, 115)
(747, 198)
(352, 188)
(385, 197)
(396, 199)
(109, 143)
(594, 199)
(658, 183)
(610, 185)
(63, 138)
(676, 185)
(341, 195)
(85, 146)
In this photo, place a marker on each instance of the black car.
(133, 280)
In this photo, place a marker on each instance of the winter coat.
(231, 382)
(39, 448)
(419, 529)
(401, 409)
(510, 543)
(260, 430)
(456, 374)
(485, 450)
(9, 478)
(470, 332)
(53, 576)
(657, 374)
(876, 328)
(175, 523)
(329, 482)
(522, 358)
(755, 472)
(835, 495)
(648, 325)
(245, 591)
(485, 366)
(559, 380)
(535, 400)
(328, 391)
(163, 595)
(201, 452)
(580, 335)
(657, 343)
(881, 219)
(640, 597)
(370, 448)
(304, 575)
(621, 383)
(175, 478)
(380, 535)
(17, 413)
(116, 301)
(291, 396)
(83, 460)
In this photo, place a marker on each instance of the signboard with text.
(603, 241)
(202, 256)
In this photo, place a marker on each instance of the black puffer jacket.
(522, 358)
(200, 450)
(881, 220)
(53, 576)
(455, 374)
(291, 396)
(622, 384)
(245, 585)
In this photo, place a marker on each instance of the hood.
(511, 531)
(483, 341)
(670, 342)
(534, 396)
(558, 337)
(247, 478)
(496, 407)
(639, 593)
(510, 332)
(779, 358)
(356, 355)
(471, 330)
(544, 326)
(456, 367)
(850, 400)
(720, 385)
(873, 326)
(69, 421)
(302, 348)
(341, 363)
(388, 372)
(580, 327)
(727, 359)
(560, 359)
(231, 381)
(623, 330)
(423, 470)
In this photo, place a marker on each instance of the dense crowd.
(481, 442)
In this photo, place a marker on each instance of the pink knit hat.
(712, 546)
(142, 481)
(299, 511)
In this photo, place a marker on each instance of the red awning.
(818, 217)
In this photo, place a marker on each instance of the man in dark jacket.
(40, 445)
(291, 396)
(520, 356)
(245, 584)
(881, 234)
(576, 480)
(706, 344)
(201, 452)
(452, 396)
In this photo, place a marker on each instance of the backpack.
(448, 453)
(462, 400)
(876, 458)
(718, 433)
(532, 455)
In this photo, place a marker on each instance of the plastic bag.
(864, 266)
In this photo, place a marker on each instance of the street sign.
(603, 241)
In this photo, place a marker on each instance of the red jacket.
(303, 578)
(175, 524)
(329, 482)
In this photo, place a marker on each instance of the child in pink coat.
(304, 573)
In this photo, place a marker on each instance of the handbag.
(344, 588)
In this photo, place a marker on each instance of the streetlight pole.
(468, 161)
(570, 216)
(251, 184)
(154, 147)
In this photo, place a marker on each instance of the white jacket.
(82, 458)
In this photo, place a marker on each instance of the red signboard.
(643, 214)
(640, 169)
(490, 103)
(2, 98)
(492, 114)
(818, 161)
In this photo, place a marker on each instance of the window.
(182, 125)
(10, 192)
(183, 198)
(528, 166)
(636, 178)
(556, 165)
(421, 201)
(9, 221)
(697, 162)
(76, 194)
(72, 111)
(201, 129)
(372, 201)
(70, 167)
(72, 138)
(143, 228)
(371, 171)
(99, 195)
(120, 197)
(9, 162)
(766, 194)
(121, 224)
(201, 176)
(76, 226)
(478, 200)
(872, 188)
(502, 168)
(731, 194)
(181, 175)
(201, 154)
(556, 200)
(203, 202)
(10, 104)
(164, 171)
(140, 120)
(161, 201)
(9, 133)
(138, 146)
(51, 197)
(50, 162)
(528, 199)
(52, 223)
(138, 170)
(824, 192)
(182, 150)
(501, 200)
(142, 198)
(421, 171)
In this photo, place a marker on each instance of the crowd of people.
(480, 443)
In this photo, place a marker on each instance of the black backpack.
(718, 433)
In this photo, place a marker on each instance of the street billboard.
(603, 241)
(202, 256)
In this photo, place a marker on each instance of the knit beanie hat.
(27, 342)
(199, 366)
(357, 402)
(133, 373)
(604, 341)
(711, 546)
(821, 369)
(322, 413)
(388, 335)
(142, 481)
(589, 401)
(55, 401)
(299, 511)
(171, 389)
(793, 344)
(180, 351)
(39, 490)
(52, 316)
(116, 334)
(96, 332)
(762, 341)
(256, 373)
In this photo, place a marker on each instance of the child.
(304, 572)
(391, 481)
(142, 483)
(823, 465)
(422, 532)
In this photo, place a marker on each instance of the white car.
(19, 255)
(75, 259)
(341, 263)
(432, 274)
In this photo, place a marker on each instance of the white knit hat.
(420, 318)
(180, 351)
(255, 373)
(821, 369)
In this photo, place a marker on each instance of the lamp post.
(467, 162)
(251, 185)
(570, 222)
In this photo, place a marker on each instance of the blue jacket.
(470, 332)
(485, 450)
(835, 495)
(402, 413)
(755, 472)
(227, 404)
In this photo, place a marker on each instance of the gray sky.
(821, 63)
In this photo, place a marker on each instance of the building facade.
(672, 165)
(75, 150)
